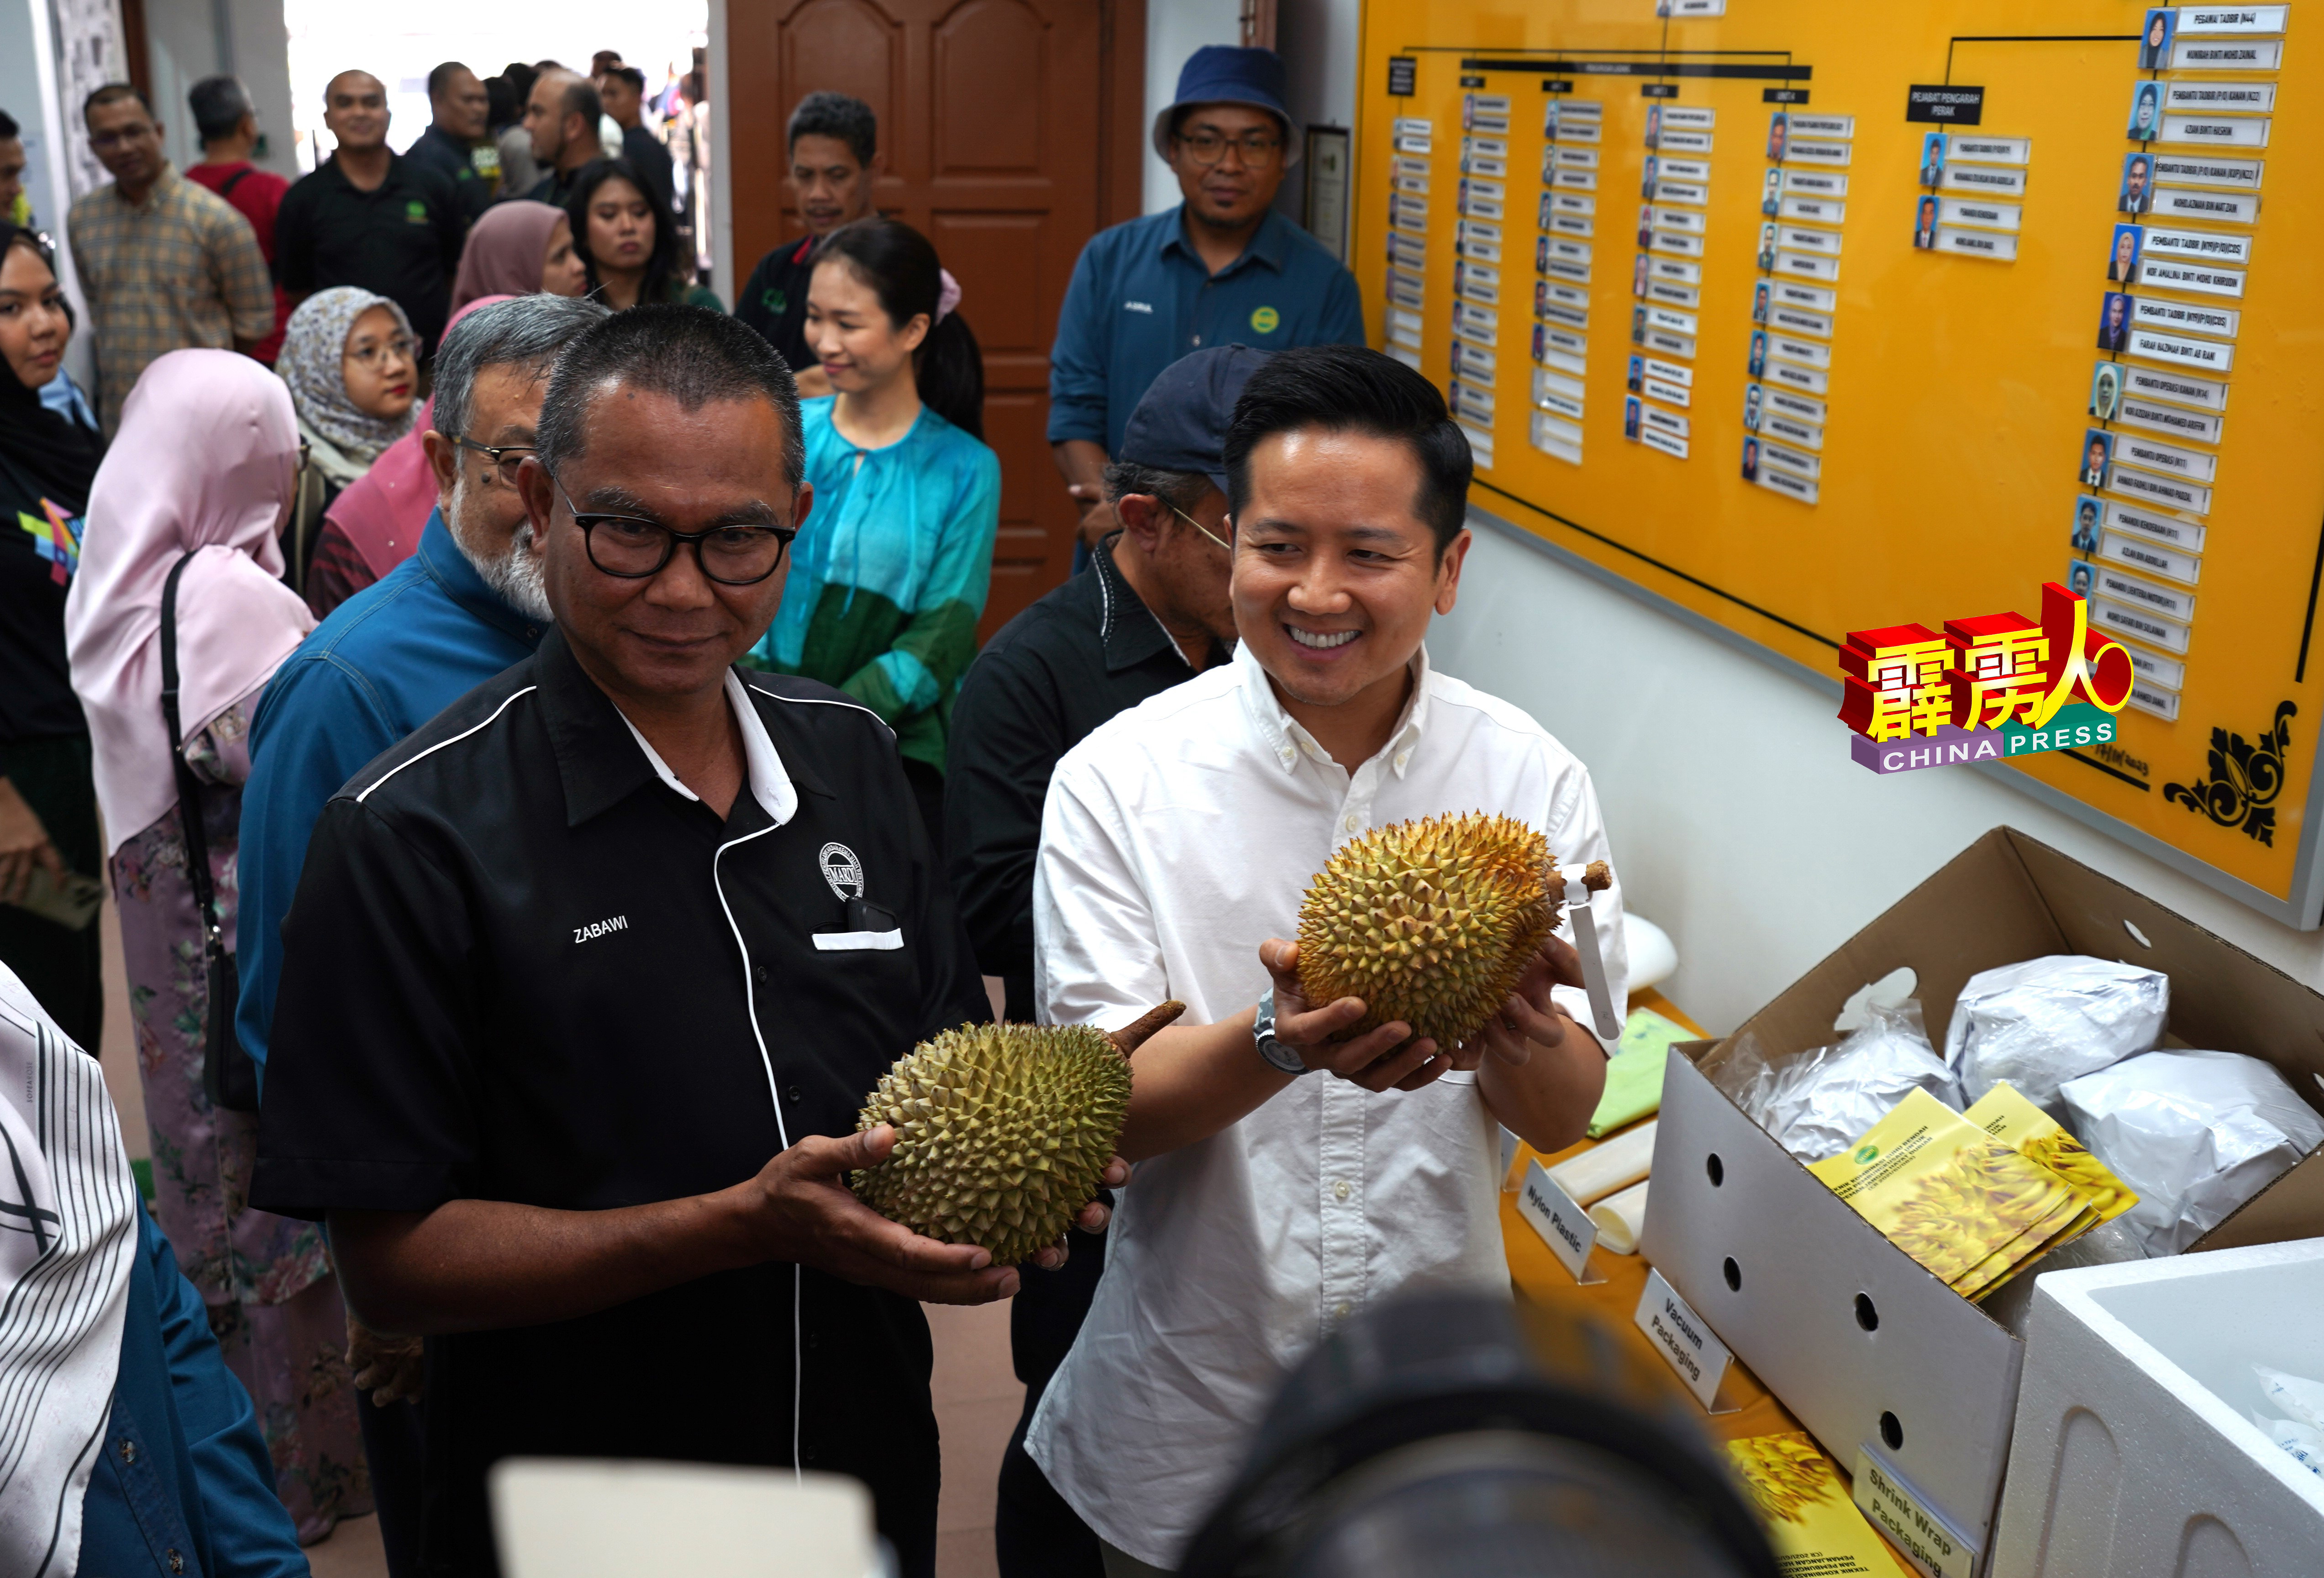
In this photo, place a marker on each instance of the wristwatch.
(1283, 1058)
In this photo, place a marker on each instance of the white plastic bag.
(2196, 1133)
(2048, 1021)
(2302, 1434)
(1816, 1104)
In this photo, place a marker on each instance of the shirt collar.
(439, 555)
(1127, 628)
(1288, 740)
(602, 759)
(1268, 243)
(164, 184)
(770, 786)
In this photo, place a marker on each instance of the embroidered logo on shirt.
(597, 929)
(415, 212)
(1137, 307)
(842, 869)
(1265, 319)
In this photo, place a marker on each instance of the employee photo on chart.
(2136, 194)
(2145, 112)
(2097, 455)
(2106, 390)
(2086, 525)
(1924, 223)
(2155, 38)
(1932, 158)
(2114, 322)
(2122, 262)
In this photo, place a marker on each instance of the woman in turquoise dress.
(889, 576)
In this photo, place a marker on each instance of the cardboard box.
(2135, 1455)
(1875, 1355)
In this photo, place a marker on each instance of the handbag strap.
(190, 789)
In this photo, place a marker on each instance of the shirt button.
(1340, 1190)
(128, 1451)
(1339, 1312)
(1198, 339)
(759, 973)
(1354, 823)
(1401, 758)
(177, 1562)
(793, 1092)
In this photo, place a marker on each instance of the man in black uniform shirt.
(462, 111)
(1153, 613)
(369, 216)
(834, 167)
(569, 964)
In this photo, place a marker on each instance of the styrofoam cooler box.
(2135, 1452)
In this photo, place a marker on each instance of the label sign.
(1683, 1339)
(1952, 106)
(1564, 1226)
(1927, 1540)
(1402, 70)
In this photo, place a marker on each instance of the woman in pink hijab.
(203, 470)
(374, 524)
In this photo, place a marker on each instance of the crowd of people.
(532, 727)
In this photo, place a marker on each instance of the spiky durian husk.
(1430, 922)
(1001, 1132)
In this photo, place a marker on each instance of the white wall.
(185, 42)
(1318, 39)
(1739, 821)
(1175, 29)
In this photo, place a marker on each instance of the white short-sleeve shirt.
(1177, 838)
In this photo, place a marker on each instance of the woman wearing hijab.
(517, 249)
(49, 852)
(375, 524)
(625, 236)
(202, 470)
(889, 576)
(352, 363)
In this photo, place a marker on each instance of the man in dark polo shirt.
(1154, 613)
(834, 168)
(570, 965)
(369, 216)
(462, 111)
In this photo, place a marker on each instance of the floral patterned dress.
(273, 1297)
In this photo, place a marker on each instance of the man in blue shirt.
(1221, 267)
(466, 605)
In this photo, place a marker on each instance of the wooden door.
(1012, 131)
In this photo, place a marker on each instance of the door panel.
(1009, 128)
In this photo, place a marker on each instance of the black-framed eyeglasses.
(635, 549)
(1206, 147)
(503, 458)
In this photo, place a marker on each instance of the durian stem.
(1131, 1037)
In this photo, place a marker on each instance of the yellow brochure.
(1943, 1191)
(1806, 1511)
(2026, 1128)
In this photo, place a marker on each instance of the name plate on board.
(1562, 1222)
(1685, 1341)
(1927, 1539)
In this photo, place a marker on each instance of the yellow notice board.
(1868, 363)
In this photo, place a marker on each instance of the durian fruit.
(1002, 1131)
(1431, 922)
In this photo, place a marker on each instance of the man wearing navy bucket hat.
(1221, 267)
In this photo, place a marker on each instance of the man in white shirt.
(1175, 845)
